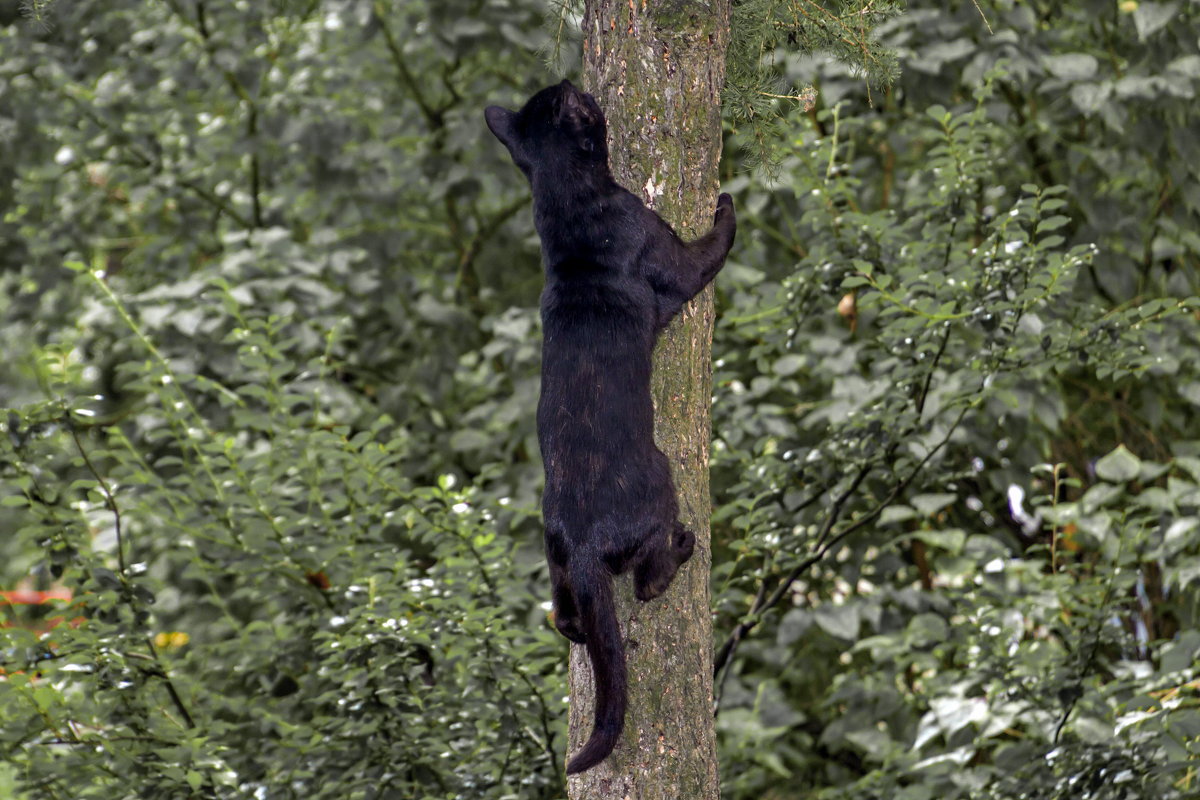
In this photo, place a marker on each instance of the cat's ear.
(576, 112)
(502, 123)
(580, 117)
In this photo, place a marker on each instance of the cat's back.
(585, 284)
(586, 307)
(595, 414)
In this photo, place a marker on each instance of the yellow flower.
(171, 639)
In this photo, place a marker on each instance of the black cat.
(615, 276)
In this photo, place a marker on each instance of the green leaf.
(1149, 18)
(897, 513)
(841, 621)
(469, 439)
(926, 630)
(951, 540)
(1181, 654)
(930, 504)
(1118, 466)
(1090, 97)
(1099, 495)
(1052, 223)
(794, 624)
(789, 364)
(1092, 729)
(1071, 66)
(1187, 66)
(45, 697)
(106, 578)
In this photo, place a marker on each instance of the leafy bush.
(274, 438)
(918, 322)
(264, 604)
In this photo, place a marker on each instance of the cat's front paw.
(683, 542)
(724, 205)
(725, 220)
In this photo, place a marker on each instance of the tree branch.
(109, 500)
(176, 700)
(724, 657)
(432, 115)
(239, 89)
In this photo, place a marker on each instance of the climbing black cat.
(615, 276)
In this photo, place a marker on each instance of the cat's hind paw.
(570, 627)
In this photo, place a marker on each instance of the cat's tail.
(591, 584)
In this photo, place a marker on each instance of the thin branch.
(1088, 663)
(217, 203)
(97, 742)
(235, 84)
(929, 375)
(432, 115)
(109, 499)
(725, 654)
(140, 158)
(984, 16)
(166, 679)
(824, 544)
(758, 600)
(466, 278)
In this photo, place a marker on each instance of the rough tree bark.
(657, 68)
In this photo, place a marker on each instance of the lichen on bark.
(657, 70)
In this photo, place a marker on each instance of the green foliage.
(926, 308)
(758, 95)
(270, 573)
(276, 437)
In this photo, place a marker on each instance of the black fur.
(615, 276)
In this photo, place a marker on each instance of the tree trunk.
(657, 68)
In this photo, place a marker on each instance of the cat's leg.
(679, 274)
(708, 252)
(564, 615)
(657, 564)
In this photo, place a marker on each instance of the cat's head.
(560, 128)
